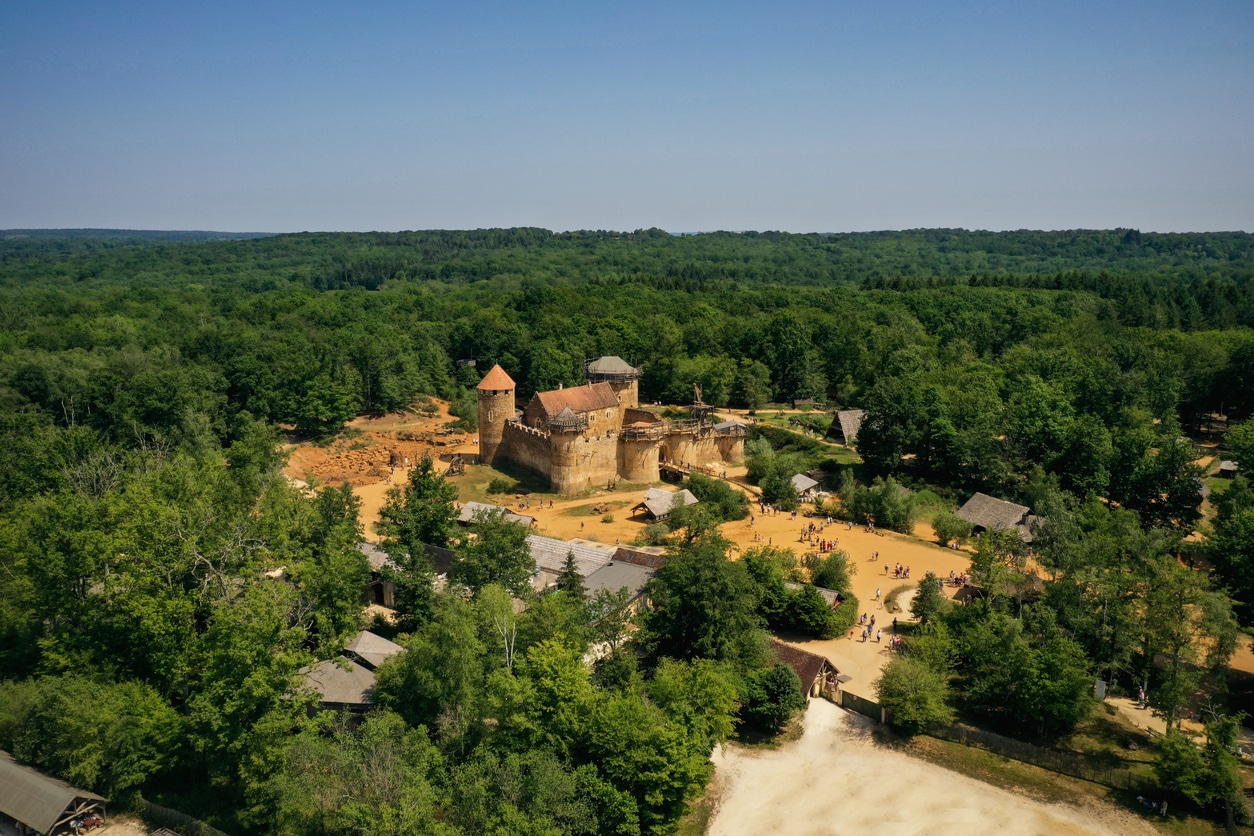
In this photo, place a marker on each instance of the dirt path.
(835, 779)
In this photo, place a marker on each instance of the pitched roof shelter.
(833, 598)
(370, 650)
(813, 670)
(339, 688)
(992, 514)
(845, 426)
(804, 485)
(1227, 468)
(614, 576)
(471, 509)
(659, 503)
(550, 554)
(40, 801)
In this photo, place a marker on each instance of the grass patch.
(696, 821)
(890, 600)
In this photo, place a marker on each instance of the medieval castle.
(589, 436)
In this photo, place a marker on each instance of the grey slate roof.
(371, 650)
(337, 686)
(659, 503)
(1227, 467)
(802, 483)
(614, 576)
(33, 798)
(846, 424)
(550, 554)
(469, 510)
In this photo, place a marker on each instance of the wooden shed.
(39, 802)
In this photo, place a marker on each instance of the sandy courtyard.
(836, 780)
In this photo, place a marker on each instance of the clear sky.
(802, 116)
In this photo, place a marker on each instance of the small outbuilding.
(40, 803)
(819, 677)
(370, 650)
(341, 684)
(658, 504)
(614, 576)
(1227, 469)
(804, 486)
(845, 426)
(472, 509)
(987, 513)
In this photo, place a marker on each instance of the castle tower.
(496, 406)
(622, 377)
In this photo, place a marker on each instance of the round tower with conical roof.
(496, 406)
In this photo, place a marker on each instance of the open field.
(838, 779)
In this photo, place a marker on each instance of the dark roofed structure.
(40, 801)
(991, 514)
(813, 670)
(845, 426)
(651, 557)
(614, 576)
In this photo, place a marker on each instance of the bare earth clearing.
(836, 779)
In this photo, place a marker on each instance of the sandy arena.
(837, 780)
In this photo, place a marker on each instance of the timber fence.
(173, 819)
(862, 705)
(1051, 759)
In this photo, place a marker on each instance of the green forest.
(147, 381)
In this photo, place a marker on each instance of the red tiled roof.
(496, 380)
(578, 399)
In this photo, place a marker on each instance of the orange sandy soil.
(361, 459)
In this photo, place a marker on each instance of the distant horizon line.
(49, 233)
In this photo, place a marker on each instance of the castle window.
(491, 415)
(609, 415)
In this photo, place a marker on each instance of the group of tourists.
(899, 570)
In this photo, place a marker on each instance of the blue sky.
(800, 116)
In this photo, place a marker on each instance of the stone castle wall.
(638, 459)
(697, 449)
(580, 462)
(495, 409)
(525, 447)
(731, 448)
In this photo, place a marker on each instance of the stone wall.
(638, 460)
(495, 409)
(525, 447)
(580, 462)
(703, 448)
